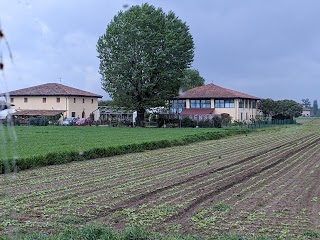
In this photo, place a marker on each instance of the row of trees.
(289, 108)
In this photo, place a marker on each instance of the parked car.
(83, 122)
(69, 121)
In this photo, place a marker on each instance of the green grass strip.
(54, 158)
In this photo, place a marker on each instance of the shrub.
(187, 122)
(38, 121)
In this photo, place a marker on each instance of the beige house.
(203, 102)
(52, 98)
(306, 112)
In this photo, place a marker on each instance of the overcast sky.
(266, 48)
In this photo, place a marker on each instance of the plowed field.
(264, 183)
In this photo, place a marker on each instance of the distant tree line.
(288, 108)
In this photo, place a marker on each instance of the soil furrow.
(184, 213)
(143, 196)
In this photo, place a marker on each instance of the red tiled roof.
(52, 89)
(197, 111)
(38, 112)
(213, 91)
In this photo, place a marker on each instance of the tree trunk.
(140, 117)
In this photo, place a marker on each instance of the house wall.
(246, 113)
(90, 104)
(36, 103)
(237, 114)
(78, 105)
(306, 113)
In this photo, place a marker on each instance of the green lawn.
(33, 141)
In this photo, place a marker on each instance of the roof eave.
(63, 95)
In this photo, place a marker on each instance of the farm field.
(263, 183)
(33, 141)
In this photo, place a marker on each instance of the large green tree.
(143, 56)
(191, 79)
(267, 106)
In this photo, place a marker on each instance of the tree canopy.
(143, 56)
(191, 79)
(108, 103)
(286, 107)
(315, 108)
(306, 103)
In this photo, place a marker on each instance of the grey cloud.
(264, 48)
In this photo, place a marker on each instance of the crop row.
(161, 186)
(188, 192)
(250, 206)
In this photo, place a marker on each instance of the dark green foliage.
(232, 236)
(99, 232)
(221, 207)
(306, 103)
(217, 122)
(191, 79)
(315, 108)
(285, 107)
(236, 236)
(187, 122)
(70, 156)
(38, 121)
(136, 233)
(206, 124)
(143, 55)
(311, 234)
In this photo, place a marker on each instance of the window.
(82, 100)
(219, 103)
(254, 104)
(241, 103)
(177, 106)
(195, 103)
(74, 100)
(203, 103)
(224, 103)
(73, 114)
(58, 99)
(229, 103)
(92, 101)
(25, 100)
(44, 100)
(12, 100)
(246, 103)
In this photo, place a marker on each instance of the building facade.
(306, 112)
(209, 100)
(53, 98)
